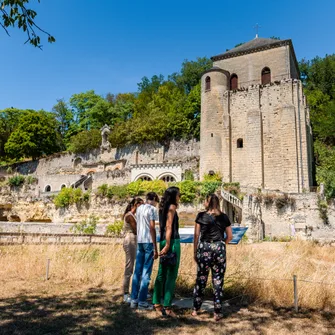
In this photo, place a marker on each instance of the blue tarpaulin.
(186, 234)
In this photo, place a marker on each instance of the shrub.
(16, 180)
(283, 200)
(69, 196)
(88, 226)
(135, 188)
(323, 210)
(86, 196)
(188, 190)
(114, 229)
(188, 175)
(213, 177)
(269, 198)
(31, 180)
(102, 190)
(119, 191)
(158, 186)
(209, 187)
(233, 188)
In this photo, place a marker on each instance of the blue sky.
(109, 45)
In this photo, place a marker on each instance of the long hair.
(213, 203)
(133, 202)
(169, 198)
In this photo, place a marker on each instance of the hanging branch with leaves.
(14, 13)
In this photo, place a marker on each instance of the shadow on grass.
(98, 311)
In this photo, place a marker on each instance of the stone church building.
(255, 126)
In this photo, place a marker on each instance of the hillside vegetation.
(161, 110)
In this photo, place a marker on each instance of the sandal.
(217, 316)
(194, 313)
(170, 313)
(160, 309)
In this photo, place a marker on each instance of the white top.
(144, 214)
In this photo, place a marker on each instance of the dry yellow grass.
(260, 272)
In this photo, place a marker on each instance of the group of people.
(211, 234)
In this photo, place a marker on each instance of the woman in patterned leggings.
(210, 252)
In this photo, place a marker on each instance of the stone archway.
(47, 188)
(144, 176)
(78, 161)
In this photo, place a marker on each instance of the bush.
(188, 190)
(86, 196)
(188, 175)
(216, 177)
(16, 180)
(157, 186)
(31, 180)
(88, 226)
(269, 198)
(120, 191)
(102, 190)
(209, 187)
(135, 188)
(69, 196)
(233, 188)
(115, 228)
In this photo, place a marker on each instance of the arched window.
(233, 82)
(168, 178)
(47, 188)
(63, 185)
(266, 76)
(208, 83)
(146, 178)
(240, 143)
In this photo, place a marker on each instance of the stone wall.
(299, 217)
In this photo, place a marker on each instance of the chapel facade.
(255, 126)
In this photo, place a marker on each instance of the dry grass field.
(83, 293)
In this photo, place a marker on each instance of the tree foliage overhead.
(16, 14)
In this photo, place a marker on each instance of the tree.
(9, 120)
(36, 135)
(64, 116)
(16, 14)
(191, 72)
(85, 141)
(82, 105)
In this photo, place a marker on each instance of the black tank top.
(175, 227)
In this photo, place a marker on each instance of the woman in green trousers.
(169, 252)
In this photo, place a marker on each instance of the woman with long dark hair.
(169, 251)
(129, 243)
(210, 253)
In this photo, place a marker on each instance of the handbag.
(170, 259)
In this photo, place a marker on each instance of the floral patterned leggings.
(210, 256)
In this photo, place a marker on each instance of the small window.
(208, 83)
(168, 178)
(211, 134)
(145, 178)
(266, 76)
(240, 143)
(233, 82)
(47, 188)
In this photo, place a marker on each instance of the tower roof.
(255, 45)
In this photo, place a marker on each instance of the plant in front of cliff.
(188, 190)
(16, 180)
(87, 227)
(114, 229)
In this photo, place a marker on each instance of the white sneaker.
(127, 298)
(133, 303)
(145, 306)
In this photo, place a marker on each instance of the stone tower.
(255, 126)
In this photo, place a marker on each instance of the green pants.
(166, 278)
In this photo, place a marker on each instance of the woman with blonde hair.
(129, 244)
(214, 229)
